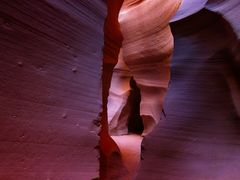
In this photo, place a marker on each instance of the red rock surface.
(57, 57)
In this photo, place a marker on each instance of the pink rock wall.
(57, 57)
(203, 95)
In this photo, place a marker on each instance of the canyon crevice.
(119, 89)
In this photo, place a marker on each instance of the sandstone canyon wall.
(50, 88)
(202, 106)
(66, 65)
(199, 138)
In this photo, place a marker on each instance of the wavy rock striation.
(199, 138)
(141, 77)
(50, 74)
(146, 54)
(202, 105)
(51, 54)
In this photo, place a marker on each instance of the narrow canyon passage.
(119, 90)
(142, 70)
(202, 115)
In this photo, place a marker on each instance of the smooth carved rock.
(146, 53)
(229, 10)
(188, 8)
(144, 59)
(200, 137)
(193, 39)
(50, 75)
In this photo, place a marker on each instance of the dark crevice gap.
(135, 122)
(129, 120)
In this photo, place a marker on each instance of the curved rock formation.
(192, 40)
(51, 58)
(200, 137)
(146, 53)
(188, 8)
(145, 57)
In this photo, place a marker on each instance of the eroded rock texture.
(200, 137)
(141, 77)
(53, 67)
(147, 50)
(50, 69)
(146, 54)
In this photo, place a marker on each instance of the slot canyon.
(119, 90)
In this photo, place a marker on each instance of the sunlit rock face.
(50, 69)
(141, 76)
(146, 53)
(202, 107)
(118, 108)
